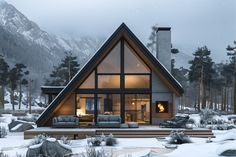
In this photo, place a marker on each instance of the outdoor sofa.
(108, 121)
(65, 121)
(176, 122)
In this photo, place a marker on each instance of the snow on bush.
(97, 141)
(67, 146)
(207, 115)
(178, 137)
(92, 152)
(36, 146)
(39, 139)
(110, 140)
(195, 118)
(65, 140)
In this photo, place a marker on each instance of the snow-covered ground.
(14, 144)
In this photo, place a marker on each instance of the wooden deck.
(141, 132)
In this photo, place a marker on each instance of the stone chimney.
(163, 48)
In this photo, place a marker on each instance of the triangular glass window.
(89, 82)
(111, 63)
(133, 64)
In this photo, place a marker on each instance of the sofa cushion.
(103, 118)
(114, 118)
(65, 123)
(72, 119)
(60, 119)
(66, 119)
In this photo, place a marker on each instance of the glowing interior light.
(161, 107)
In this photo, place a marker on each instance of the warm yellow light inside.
(161, 107)
(79, 112)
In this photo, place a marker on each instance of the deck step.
(120, 133)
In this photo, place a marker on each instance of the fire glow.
(162, 106)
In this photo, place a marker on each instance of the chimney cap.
(163, 29)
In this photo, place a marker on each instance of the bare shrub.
(39, 139)
(92, 152)
(178, 137)
(110, 140)
(65, 140)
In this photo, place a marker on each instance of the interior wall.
(67, 108)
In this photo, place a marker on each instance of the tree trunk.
(12, 99)
(211, 97)
(201, 88)
(20, 95)
(27, 104)
(234, 87)
(203, 96)
(199, 97)
(215, 99)
(30, 95)
(228, 99)
(225, 100)
(69, 71)
(1, 97)
(231, 99)
(221, 99)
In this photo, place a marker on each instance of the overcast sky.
(194, 23)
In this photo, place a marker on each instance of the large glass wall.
(111, 63)
(109, 104)
(89, 83)
(85, 107)
(133, 63)
(137, 73)
(137, 108)
(137, 81)
(121, 71)
(108, 81)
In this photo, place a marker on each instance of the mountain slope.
(22, 41)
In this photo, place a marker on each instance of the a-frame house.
(122, 78)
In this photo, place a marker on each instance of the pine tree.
(152, 40)
(21, 73)
(16, 79)
(201, 71)
(232, 54)
(4, 67)
(180, 75)
(13, 78)
(64, 72)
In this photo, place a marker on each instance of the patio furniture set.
(103, 121)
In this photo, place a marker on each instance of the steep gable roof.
(125, 32)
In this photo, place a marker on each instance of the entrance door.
(137, 108)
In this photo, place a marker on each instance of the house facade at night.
(122, 78)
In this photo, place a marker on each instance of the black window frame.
(122, 90)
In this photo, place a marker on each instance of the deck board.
(141, 132)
